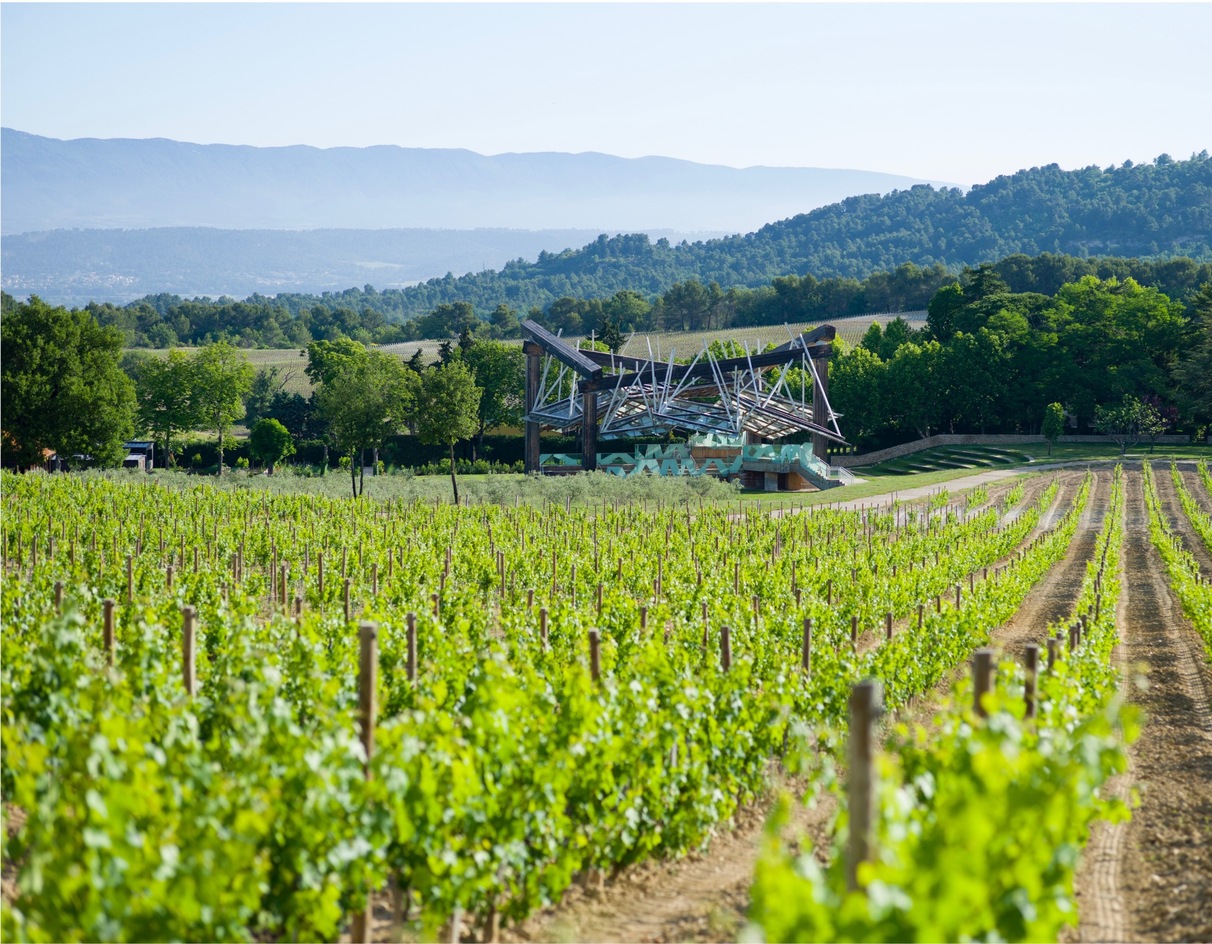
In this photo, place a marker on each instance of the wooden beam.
(562, 351)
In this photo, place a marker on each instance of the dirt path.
(1047, 595)
(1159, 868)
(925, 491)
(1097, 882)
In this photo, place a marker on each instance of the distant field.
(685, 343)
(291, 361)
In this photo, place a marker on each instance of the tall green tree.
(164, 389)
(1194, 373)
(271, 442)
(504, 321)
(222, 378)
(1117, 339)
(628, 309)
(1054, 423)
(856, 391)
(500, 372)
(971, 378)
(913, 387)
(269, 384)
(943, 310)
(1129, 421)
(365, 400)
(325, 358)
(448, 410)
(62, 387)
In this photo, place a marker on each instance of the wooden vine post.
(411, 619)
(188, 615)
(1029, 682)
(865, 701)
(806, 647)
(368, 670)
(982, 678)
(107, 629)
(725, 648)
(595, 655)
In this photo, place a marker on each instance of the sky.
(954, 92)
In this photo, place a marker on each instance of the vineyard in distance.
(237, 714)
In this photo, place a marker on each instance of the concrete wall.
(975, 439)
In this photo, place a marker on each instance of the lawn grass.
(1069, 452)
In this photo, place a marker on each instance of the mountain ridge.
(142, 183)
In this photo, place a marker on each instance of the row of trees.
(68, 388)
(187, 391)
(991, 360)
(365, 397)
(371, 317)
(988, 360)
(362, 398)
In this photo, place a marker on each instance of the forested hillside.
(1143, 210)
(369, 316)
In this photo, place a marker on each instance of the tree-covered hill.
(1135, 210)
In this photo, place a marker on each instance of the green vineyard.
(236, 715)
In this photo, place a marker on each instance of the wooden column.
(820, 444)
(533, 360)
(866, 702)
(589, 427)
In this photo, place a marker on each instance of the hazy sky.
(955, 92)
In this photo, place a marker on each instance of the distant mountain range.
(92, 183)
(1153, 211)
(75, 266)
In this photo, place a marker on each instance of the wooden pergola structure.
(611, 396)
